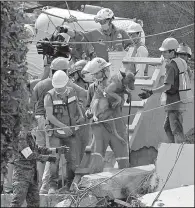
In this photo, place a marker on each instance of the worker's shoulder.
(43, 83)
(172, 65)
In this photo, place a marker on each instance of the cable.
(170, 172)
(176, 25)
(117, 117)
(156, 34)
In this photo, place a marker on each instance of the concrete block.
(129, 178)
(178, 197)
(183, 173)
(45, 200)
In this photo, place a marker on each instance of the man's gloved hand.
(62, 149)
(88, 114)
(146, 94)
(49, 158)
(67, 131)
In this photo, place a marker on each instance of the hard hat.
(134, 28)
(96, 65)
(78, 66)
(60, 79)
(59, 63)
(184, 48)
(103, 14)
(169, 44)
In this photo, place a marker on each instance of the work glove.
(49, 158)
(68, 131)
(62, 149)
(146, 94)
(88, 114)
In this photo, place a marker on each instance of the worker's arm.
(28, 153)
(141, 52)
(81, 92)
(128, 41)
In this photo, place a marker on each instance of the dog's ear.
(123, 74)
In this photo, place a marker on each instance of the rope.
(109, 41)
(114, 118)
(170, 172)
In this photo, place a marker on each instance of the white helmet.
(169, 44)
(96, 65)
(103, 14)
(184, 49)
(60, 63)
(134, 28)
(60, 79)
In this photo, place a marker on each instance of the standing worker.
(25, 181)
(62, 111)
(140, 50)
(107, 32)
(84, 131)
(102, 135)
(175, 88)
(185, 52)
(39, 92)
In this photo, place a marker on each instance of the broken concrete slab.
(178, 197)
(183, 173)
(64, 203)
(129, 178)
(45, 200)
(88, 201)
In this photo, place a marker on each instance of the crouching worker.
(62, 110)
(25, 176)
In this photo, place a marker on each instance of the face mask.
(105, 26)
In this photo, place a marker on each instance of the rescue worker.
(140, 50)
(102, 135)
(176, 87)
(184, 52)
(107, 32)
(25, 181)
(84, 131)
(39, 91)
(62, 111)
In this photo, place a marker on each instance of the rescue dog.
(110, 97)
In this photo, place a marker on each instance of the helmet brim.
(106, 65)
(163, 49)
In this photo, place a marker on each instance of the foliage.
(14, 92)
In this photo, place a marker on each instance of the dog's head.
(128, 80)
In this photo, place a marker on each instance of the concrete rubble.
(130, 178)
(178, 197)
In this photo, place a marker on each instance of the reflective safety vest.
(65, 107)
(185, 91)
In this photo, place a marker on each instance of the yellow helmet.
(169, 44)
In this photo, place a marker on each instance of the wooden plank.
(135, 121)
(135, 103)
(144, 82)
(143, 60)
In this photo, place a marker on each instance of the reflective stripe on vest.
(185, 92)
